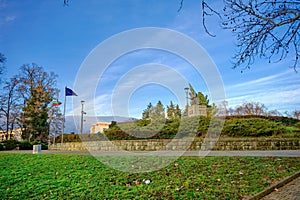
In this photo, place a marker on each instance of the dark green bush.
(44, 145)
(203, 126)
(235, 126)
(25, 145)
(284, 120)
(9, 144)
(252, 127)
(1, 147)
(118, 135)
(68, 138)
(142, 122)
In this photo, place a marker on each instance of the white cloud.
(278, 91)
(268, 80)
(100, 105)
(9, 18)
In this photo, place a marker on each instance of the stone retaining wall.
(179, 145)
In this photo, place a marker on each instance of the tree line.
(158, 111)
(256, 108)
(25, 102)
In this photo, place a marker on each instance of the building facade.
(99, 127)
(15, 134)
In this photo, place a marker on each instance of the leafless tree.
(10, 105)
(2, 61)
(267, 29)
(249, 108)
(264, 28)
(274, 113)
(296, 114)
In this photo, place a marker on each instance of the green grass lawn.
(27, 176)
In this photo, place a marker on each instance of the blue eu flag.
(70, 92)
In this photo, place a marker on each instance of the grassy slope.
(84, 177)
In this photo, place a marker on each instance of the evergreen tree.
(158, 112)
(212, 110)
(147, 112)
(171, 111)
(37, 89)
(177, 112)
(203, 99)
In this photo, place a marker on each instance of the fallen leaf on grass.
(136, 183)
(276, 190)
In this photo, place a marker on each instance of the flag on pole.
(55, 103)
(70, 92)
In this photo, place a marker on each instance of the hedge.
(23, 145)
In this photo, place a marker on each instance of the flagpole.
(64, 118)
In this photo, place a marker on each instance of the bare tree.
(10, 106)
(267, 29)
(264, 28)
(296, 114)
(274, 113)
(55, 121)
(2, 61)
(250, 108)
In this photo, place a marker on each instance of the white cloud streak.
(278, 91)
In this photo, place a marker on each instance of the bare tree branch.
(265, 29)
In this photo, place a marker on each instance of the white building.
(15, 134)
(99, 127)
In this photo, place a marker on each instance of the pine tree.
(177, 112)
(171, 111)
(203, 99)
(147, 112)
(158, 112)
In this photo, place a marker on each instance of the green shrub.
(68, 138)
(44, 145)
(10, 144)
(119, 135)
(252, 127)
(203, 126)
(25, 145)
(1, 147)
(142, 122)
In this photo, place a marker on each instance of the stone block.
(37, 149)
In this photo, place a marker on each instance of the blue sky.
(60, 38)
